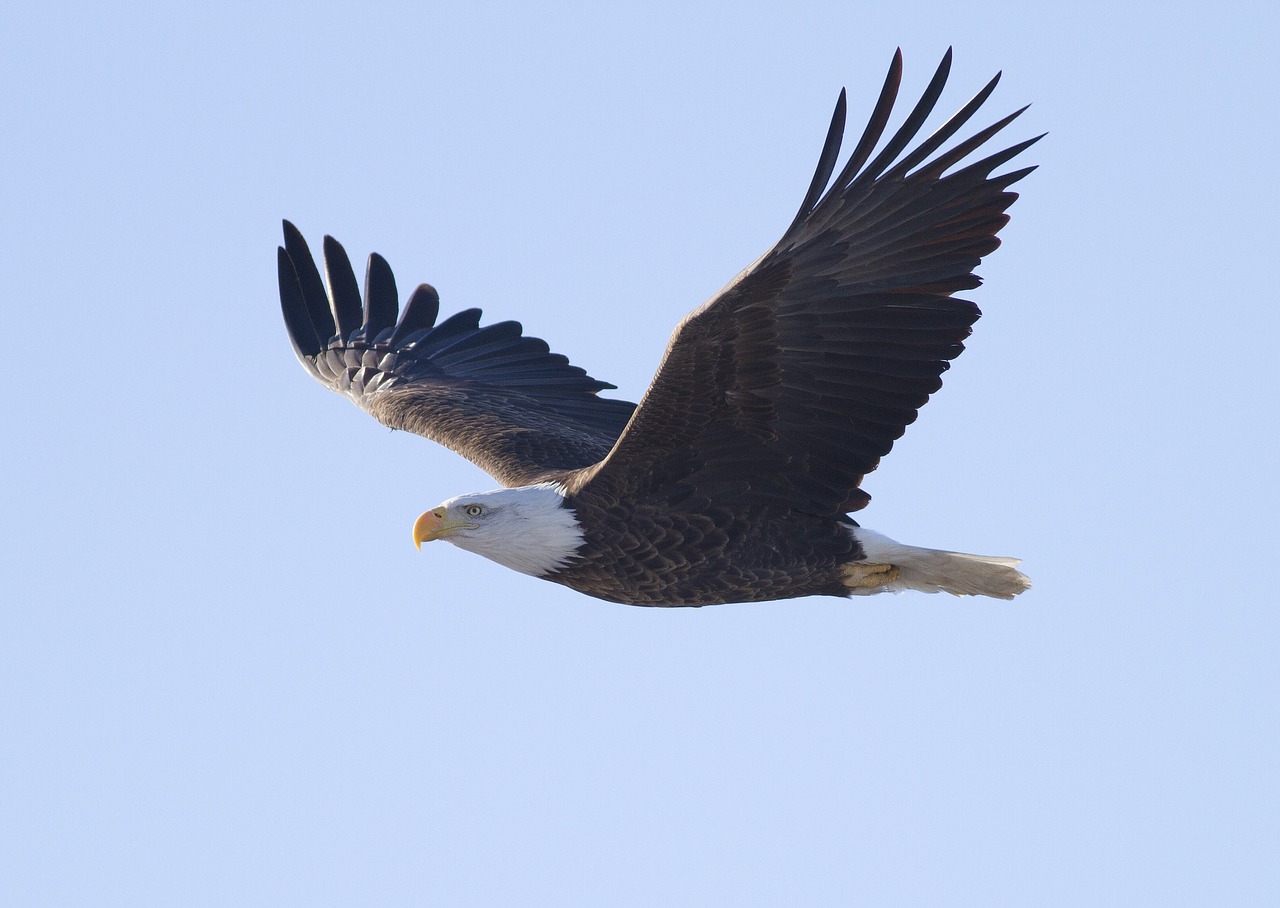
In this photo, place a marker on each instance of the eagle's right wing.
(493, 395)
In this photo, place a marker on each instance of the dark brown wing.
(792, 383)
(498, 398)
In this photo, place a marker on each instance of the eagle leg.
(860, 575)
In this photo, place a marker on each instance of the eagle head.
(528, 529)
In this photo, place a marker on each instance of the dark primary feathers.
(781, 392)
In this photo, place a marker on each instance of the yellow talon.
(861, 575)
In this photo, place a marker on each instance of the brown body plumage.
(700, 553)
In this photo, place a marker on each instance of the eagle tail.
(890, 565)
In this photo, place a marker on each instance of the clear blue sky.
(227, 678)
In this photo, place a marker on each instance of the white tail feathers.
(933, 570)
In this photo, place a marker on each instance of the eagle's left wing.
(790, 384)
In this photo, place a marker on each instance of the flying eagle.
(733, 478)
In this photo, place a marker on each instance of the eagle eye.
(473, 510)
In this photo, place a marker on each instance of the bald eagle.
(733, 478)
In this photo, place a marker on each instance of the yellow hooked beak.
(431, 526)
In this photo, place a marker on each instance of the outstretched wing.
(790, 384)
(495, 396)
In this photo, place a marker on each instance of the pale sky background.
(227, 678)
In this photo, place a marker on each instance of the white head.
(528, 529)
